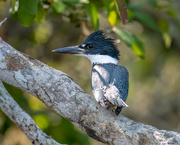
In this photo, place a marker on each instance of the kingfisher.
(109, 81)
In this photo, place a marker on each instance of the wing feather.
(113, 82)
(117, 89)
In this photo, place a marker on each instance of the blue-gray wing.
(117, 90)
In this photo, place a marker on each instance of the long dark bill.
(70, 50)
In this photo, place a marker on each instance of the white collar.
(100, 59)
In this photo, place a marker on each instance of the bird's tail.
(118, 110)
(123, 104)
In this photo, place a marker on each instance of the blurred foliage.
(131, 41)
(36, 10)
(152, 33)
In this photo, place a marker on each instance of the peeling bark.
(64, 96)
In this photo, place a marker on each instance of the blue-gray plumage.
(109, 81)
(110, 85)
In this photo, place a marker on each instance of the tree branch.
(23, 120)
(64, 96)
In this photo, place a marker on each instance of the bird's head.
(97, 48)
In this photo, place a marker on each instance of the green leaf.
(167, 39)
(93, 14)
(147, 20)
(112, 18)
(131, 41)
(58, 6)
(112, 13)
(27, 11)
(172, 13)
(138, 47)
(13, 4)
(41, 120)
(41, 14)
(130, 16)
(164, 26)
(122, 9)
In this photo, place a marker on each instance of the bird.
(109, 81)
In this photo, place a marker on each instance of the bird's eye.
(89, 46)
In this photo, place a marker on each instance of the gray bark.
(64, 96)
(9, 106)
